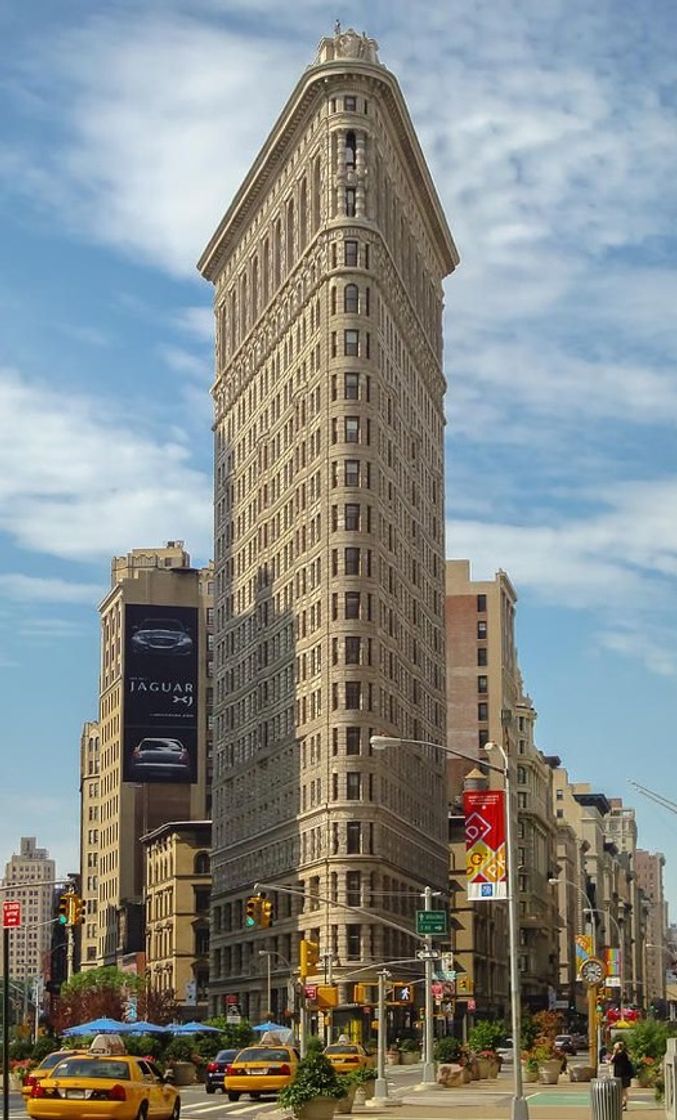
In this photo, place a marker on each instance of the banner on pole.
(583, 950)
(612, 958)
(485, 846)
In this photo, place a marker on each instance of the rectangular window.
(482, 655)
(352, 517)
(351, 343)
(353, 888)
(350, 104)
(351, 604)
(353, 785)
(481, 602)
(353, 698)
(352, 472)
(351, 386)
(352, 429)
(351, 561)
(354, 942)
(352, 655)
(483, 737)
(481, 629)
(350, 254)
(482, 684)
(350, 202)
(353, 838)
(483, 711)
(352, 740)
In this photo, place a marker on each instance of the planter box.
(548, 1072)
(581, 1073)
(529, 1076)
(409, 1057)
(483, 1068)
(392, 1057)
(365, 1092)
(184, 1073)
(453, 1076)
(345, 1104)
(321, 1108)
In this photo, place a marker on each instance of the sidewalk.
(481, 1100)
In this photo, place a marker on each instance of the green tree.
(95, 993)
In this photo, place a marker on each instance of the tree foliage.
(93, 994)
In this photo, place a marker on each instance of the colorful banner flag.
(583, 950)
(612, 958)
(485, 846)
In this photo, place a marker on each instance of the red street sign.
(472, 1005)
(11, 915)
(310, 991)
(231, 1000)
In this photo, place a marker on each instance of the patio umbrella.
(262, 1027)
(98, 1026)
(192, 1028)
(142, 1027)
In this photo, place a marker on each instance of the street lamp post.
(519, 1108)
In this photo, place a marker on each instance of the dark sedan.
(216, 1070)
(160, 759)
(162, 635)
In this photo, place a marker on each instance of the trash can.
(606, 1098)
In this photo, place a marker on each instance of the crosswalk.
(223, 1107)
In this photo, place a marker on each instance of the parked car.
(260, 1069)
(565, 1043)
(506, 1052)
(45, 1068)
(216, 1070)
(121, 1087)
(348, 1056)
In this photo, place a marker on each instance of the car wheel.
(210, 1088)
(176, 1111)
(233, 1096)
(142, 1114)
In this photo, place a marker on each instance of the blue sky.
(549, 126)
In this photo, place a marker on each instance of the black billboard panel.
(160, 697)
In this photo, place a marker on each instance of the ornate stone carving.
(347, 44)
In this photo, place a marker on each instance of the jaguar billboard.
(160, 697)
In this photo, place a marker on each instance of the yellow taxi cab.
(87, 1087)
(260, 1069)
(45, 1068)
(346, 1057)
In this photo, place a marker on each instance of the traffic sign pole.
(428, 1077)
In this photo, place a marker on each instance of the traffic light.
(362, 993)
(78, 910)
(309, 958)
(253, 911)
(266, 913)
(64, 910)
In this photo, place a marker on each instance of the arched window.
(201, 864)
(351, 299)
(351, 149)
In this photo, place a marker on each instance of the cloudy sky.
(549, 126)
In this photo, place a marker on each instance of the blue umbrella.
(269, 1027)
(99, 1026)
(192, 1028)
(142, 1027)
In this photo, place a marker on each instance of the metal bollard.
(606, 1098)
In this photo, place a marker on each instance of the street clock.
(593, 971)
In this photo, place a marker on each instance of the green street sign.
(431, 923)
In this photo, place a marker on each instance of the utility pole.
(428, 1077)
(381, 1085)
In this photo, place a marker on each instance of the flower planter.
(453, 1076)
(529, 1075)
(494, 1068)
(483, 1068)
(549, 1071)
(392, 1057)
(320, 1108)
(364, 1092)
(409, 1057)
(473, 1066)
(184, 1073)
(345, 1104)
(581, 1073)
(644, 1079)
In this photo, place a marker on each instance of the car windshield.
(162, 624)
(225, 1055)
(51, 1060)
(261, 1054)
(159, 745)
(93, 1067)
(342, 1050)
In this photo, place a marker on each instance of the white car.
(507, 1052)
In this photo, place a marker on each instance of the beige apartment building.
(486, 702)
(327, 271)
(649, 866)
(177, 890)
(115, 812)
(30, 873)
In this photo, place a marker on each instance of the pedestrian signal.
(253, 911)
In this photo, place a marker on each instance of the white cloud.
(39, 589)
(80, 480)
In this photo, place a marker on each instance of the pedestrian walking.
(623, 1069)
